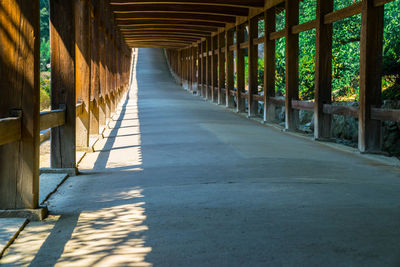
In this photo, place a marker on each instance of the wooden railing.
(10, 130)
(351, 111)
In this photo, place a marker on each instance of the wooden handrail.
(343, 13)
(302, 105)
(10, 130)
(385, 114)
(79, 108)
(341, 110)
(52, 119)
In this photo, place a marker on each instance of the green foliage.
(44, 35)
(45, 90)
(345, 51)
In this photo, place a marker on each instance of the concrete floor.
(181, 182)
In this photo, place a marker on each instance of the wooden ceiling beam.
(152, 33)
(175, 8)
(165, 30)
(230, 3)
(171, 27)
(174, 16)
(169, 22)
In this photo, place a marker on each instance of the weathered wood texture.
(95, 71)
(253, 67)
(83, 69)
(369, 131)
(19, 79)
(323, 70)
(221, 68)
(240, 106)
(63, 139)
(230, 72)
(52, 119)
(292, 64)
(269, 65)
(10, 130)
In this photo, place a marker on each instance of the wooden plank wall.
(217, 53)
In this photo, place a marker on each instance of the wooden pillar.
(369, 131)
(230, 80)
(269, 65)
(194, 69)
(19, 79)
(221, 68)
(253, 67)
(203, 70)
(240, 68)
(323, 71)
(82, 70)
(63, 82)
(180, 67)
(95, 75)
(208, 68)
(199, 68)
(214, 68)
(292, 64)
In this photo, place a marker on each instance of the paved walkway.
(181, 182)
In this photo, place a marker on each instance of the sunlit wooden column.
(221, 68)
(95, 75)
(323, 71)
(208, 67)
(82, 70)
(253, 67)
(19, 96)
(230, 72)
(269, 64)
(214, 68)
(63, 138)
(292, 64)
(369, 130)
(108, 71)
(102, 70)
(240, 68)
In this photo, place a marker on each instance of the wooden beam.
(63, 82)
(269, 65)
(173, 28)
(240, 68)
(95, 72)
(230, 72)
(227, 3)
(292, 64)
(19, 94)
(253, 67)
(52, 119)
(181, 8)
(82, 70)
(221, 68)
(208, 69)
(323, 70)
(214, 68)
(127, 17)
(166, 22)
(343, 13)
(371, 46)
(10, 130)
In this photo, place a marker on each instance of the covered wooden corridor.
(177, 180)
(182, 182)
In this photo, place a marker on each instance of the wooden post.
(240, 68)
(221, 68)
(323, 71)
(369, 131)
(214, 68)
(102, 72)
(95, 76)
(199, 69)
(269, 64)
(229, 70)
(292, 64)
(63, 82)
(203, 70)
(253, 67)
(83, 70)
(194, 69)
(208, 68)
(19, 79)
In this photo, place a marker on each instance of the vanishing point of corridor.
(179, 181)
